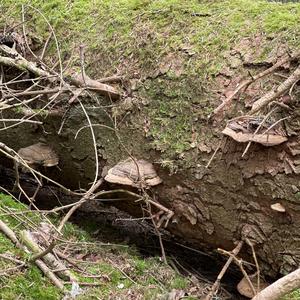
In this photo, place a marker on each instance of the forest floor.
(103, 270)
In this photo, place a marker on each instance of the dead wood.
(280, 287)
(43, 252)
(278, 91)
(216, 285)
(12, 58)
(103, 89)
(111, 79)
(264, 139)
(43, 267)
(10, 234)
(45, 255)
(244, 85)
(239, 262)
(55, 280)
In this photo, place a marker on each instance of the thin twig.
(240, 264)
(85, 198)
(216, 284)
(258, 128)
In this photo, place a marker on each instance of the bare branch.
(280, 287)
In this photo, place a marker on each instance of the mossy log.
(177, 71)
(214, 207)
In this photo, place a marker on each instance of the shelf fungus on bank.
(138, 173)
(278, 207)
(244, 129)
(245, 289)
(39, 154)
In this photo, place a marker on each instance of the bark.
(213, 207)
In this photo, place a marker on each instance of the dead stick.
(281, 287)
(44, 252)
(216, 285)
(214, 154)
(275, 93)
(256, 263)
(80, 202)
(247, 82)
(48, 257)
(12, 236)
(257, 129)
(240, 264)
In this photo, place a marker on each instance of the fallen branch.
(48, 257)
(272, 95)
(103, 89)
(43, 267)
(12, 259)
(216, 285)
(239, 262)
(280, 287)
(256, 263)
(257, 130)
(43, 252)
(10, 234)
(111, 79)
(246, 83)
(14, 59)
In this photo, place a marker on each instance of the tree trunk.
(214, 207)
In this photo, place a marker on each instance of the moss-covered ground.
(171, 51)
(119, 272)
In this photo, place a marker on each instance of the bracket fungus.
(245, 289)
(244, 129)
(278, 207)
(137, 173)
(39, 154)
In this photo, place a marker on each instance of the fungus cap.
(264, 139)
(39, 154)
(133, 172)
(278, 207)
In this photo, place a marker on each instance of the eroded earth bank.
(146, 81)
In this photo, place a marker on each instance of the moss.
(136, 36)
(30, 285)
(120, 267)
(295, 295)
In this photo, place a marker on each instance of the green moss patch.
(117, 270)
(173, 48)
